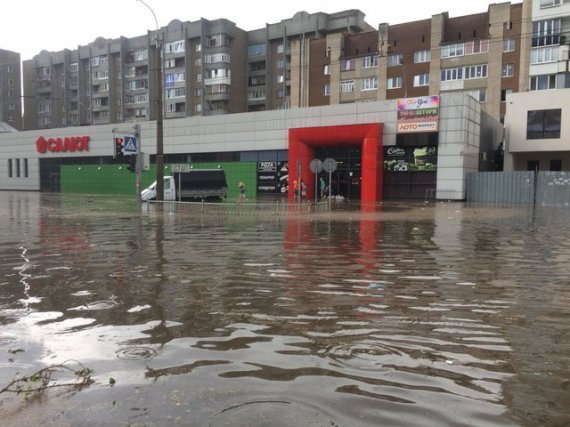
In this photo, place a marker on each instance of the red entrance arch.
(302, 142)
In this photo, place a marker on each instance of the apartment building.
(209, 68)
(478, 54)
(116, 80)
(538, 119)
(549, 56)
(10, 89)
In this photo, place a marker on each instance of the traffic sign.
(130, 145)
(316, 166)
(330, 165)
(180, 168)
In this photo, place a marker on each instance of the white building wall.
(518, 105)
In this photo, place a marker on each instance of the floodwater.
(413, 315)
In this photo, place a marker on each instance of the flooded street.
(413, 315)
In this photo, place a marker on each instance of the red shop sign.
(62, 145)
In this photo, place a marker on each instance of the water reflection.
(393, 315)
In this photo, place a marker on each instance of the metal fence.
(542, 188)
(277, 208)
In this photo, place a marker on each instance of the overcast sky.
(30, 26)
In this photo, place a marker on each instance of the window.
(346, 86)
(476, 72)
(198, 47)
(547, 81)
(174, 47)
(508, 45)
(451, 74)
(476, 46)
(395, 60)
(25, 168)
(173, 78)
(256, 49)
(140, 55)
(370, 61)
(280, 63)
(546, 32)
(556, 165)
(543, 124)
(369, 83)
(327, 90)
(256, 94)
(104, 87)
(504, 93)
(543, 54)
(421, 80)
(198, 108)
(551, 3)
(281, 78)
(198, 77)
(346, 65)
(213, 58)
(10, 173)
(508, 70)
(422, 56)
(394, 83)
(175, 93)
(198, 92)
(453, 50)
(327, 70)
(479, 94)
(46, 71)
(280, 48)
(17, 168)
(74, 67)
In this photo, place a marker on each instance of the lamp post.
(159, 132)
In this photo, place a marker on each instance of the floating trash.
(81, 294)
(97, 305)
(138, 308)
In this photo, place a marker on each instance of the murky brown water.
(415, 315)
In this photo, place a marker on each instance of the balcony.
(218, 81)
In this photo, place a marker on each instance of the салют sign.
(62, 145)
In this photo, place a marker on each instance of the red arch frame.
(302, 142)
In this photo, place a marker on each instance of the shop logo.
(62, 145)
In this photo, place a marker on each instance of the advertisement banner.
(410, 159)
(419, 114)
(272, 177)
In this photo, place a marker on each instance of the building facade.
(537, 131)
(262, 150)
(10, 89)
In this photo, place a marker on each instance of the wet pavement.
(405, 315)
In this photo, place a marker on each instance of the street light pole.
(159, 132)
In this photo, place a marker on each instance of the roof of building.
(6, 128)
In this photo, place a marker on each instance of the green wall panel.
(116, 179)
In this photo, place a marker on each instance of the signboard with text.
(419, 114)
(272, 177)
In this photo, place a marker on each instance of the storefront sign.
(410, 159)
(272, 177)
(418, 114)
(62, 145)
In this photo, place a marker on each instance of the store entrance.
(346, 181)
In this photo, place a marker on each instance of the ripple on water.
(136, 353)
(275, 413)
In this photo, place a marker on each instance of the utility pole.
(159, 132)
